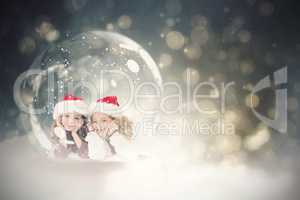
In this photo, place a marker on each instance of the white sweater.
(99, 148)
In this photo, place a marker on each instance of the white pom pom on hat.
(108, 105)
(70, 104)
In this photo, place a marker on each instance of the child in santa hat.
(111, 135)
(70, 128)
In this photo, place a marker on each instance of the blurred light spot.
(256, 141)
(192, 52)
(162, 15)
(124, 22)
(165, 31)
(252, 101)
(27, 45)
(293, 104)
(248, 87)
(133, 66)
(199, 35)
(165, 60)
(244, 36)
(110, 27)
(47, 31)
(191, 76)
(173, 7)
(247, 67)
(226, 9)
(231, 117)
(113, 83)
(52, 36)
(175, 40)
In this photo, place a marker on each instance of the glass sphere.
(90, 65)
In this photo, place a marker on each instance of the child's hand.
(60, 132)
(107, 129)
(90, 127)
(76, 128)
(111, 128)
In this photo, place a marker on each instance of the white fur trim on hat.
(69, 105)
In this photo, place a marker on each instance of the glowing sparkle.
(124, 22)
(110, 27)
(47, 31)
(256, 141)
(175, 40)
(133, 66)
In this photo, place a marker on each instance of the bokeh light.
(258, 139)
(27, 45)
(175, 40)
(125, 22)
(165, 60)
(47, 31)
(192, 52)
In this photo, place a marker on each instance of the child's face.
(102, 124)
(72, 121)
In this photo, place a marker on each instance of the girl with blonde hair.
(111, 135)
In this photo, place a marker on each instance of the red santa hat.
(107, 105)
(70, 104)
